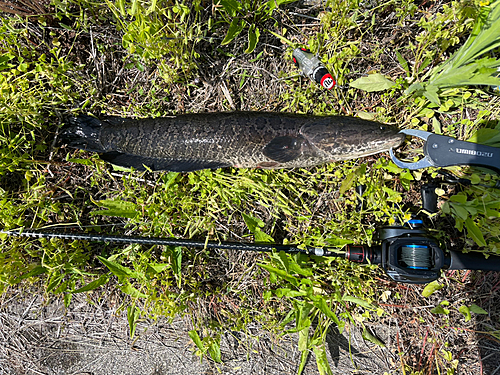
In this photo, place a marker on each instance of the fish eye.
(382, 127)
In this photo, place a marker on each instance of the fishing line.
(416, 256)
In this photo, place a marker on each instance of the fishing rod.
(163, 241)
(406, 253)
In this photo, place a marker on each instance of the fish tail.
(82, 132)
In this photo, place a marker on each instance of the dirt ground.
(39, 336)
(92, 338)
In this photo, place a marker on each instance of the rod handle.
(473, 261)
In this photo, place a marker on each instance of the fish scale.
(191, 142)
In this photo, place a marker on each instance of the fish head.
(339, 138)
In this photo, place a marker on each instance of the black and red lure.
(313, 68)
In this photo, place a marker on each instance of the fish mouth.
(383, 144)
(397, 140)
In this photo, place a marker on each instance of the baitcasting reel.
(409, 255)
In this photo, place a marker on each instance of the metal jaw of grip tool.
(443, 151)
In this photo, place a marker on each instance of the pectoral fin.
(284, 149)
(158, 164)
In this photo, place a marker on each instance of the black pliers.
(443, 151)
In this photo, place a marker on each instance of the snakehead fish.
(191, 142)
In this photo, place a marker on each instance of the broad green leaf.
(367, 335)
(325, 309)
(283, 259)
(431, 93)
(253, 38)
(131, 291)
(440, 310)
(169, 180)
(303, 360)
(291, 279)
(347, 183)
(214, 351)
(403, 63)
(196, 339)
(281, 292)
(485, 136)
(287, 292)
(436, 126)
(304, 339)
(491, 213)
(117, 269)
(460, 211)
(4, 61)
(358, 301)
(267, 295)
(414, 87)
(337, 241)
(67, 299)
(254, 226)
(273, 4)
(262, 237)
(477, 310)
(366, 115)
(117, 208)
(322, 360)
(82, 161)
(38, 270)
(460, 198)
(54, 282)
(155, 268)
(295, 268)
(132, 317)
(373, 82)
(391, 167)
(474, 232)
(302, 311)
(466, 311)
(231, 6)
(392, 195)
(93, 284)
(431, 288)
(235, 29)
(475, 179)
(252, 223)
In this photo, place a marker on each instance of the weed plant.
(135, 58)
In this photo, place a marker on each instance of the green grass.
(135, 58)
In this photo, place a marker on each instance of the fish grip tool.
(406, 253)
(444, 151)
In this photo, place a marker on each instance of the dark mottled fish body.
(242, 139)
